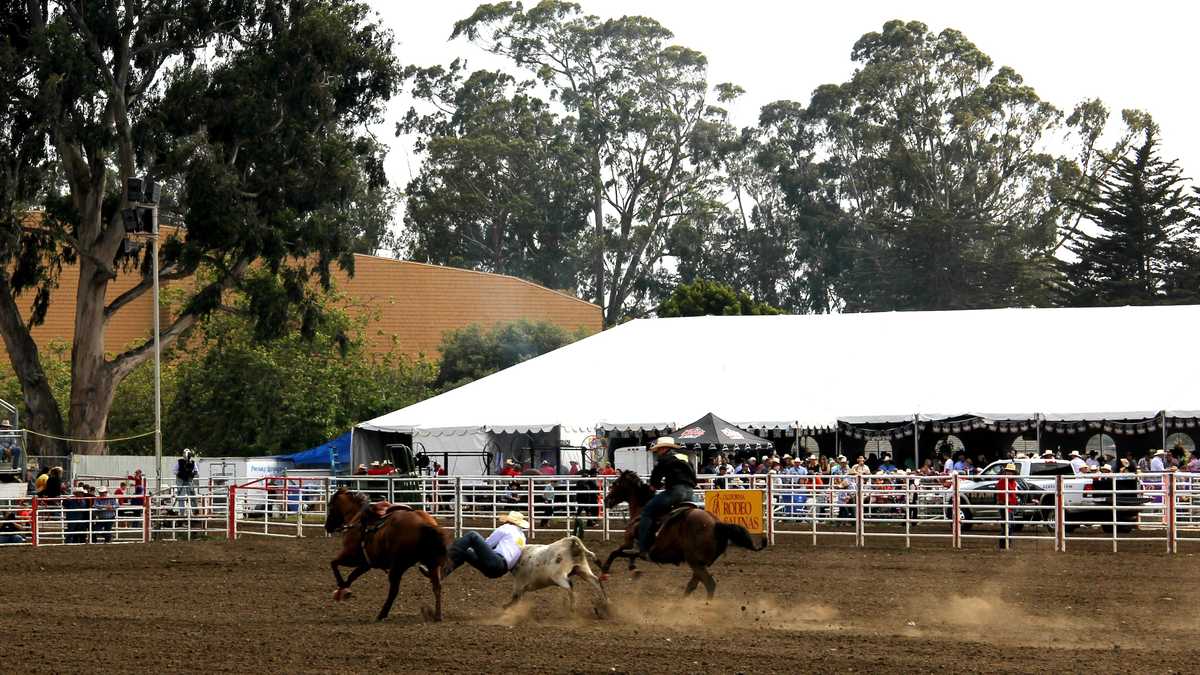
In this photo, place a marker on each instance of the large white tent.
(812, 371)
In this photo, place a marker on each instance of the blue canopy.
(320, 456)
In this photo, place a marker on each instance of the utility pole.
(143, 194)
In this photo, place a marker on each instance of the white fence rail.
(1061, 512)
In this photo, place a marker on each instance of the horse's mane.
(640, 487)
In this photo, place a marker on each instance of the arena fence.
(1157, 510)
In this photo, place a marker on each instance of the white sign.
(258, 468)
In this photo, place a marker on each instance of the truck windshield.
(1047, 469)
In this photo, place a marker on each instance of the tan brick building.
(415, 302)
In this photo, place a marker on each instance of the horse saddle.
(673, 515)
(377, 513)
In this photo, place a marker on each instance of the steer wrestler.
(496, 555)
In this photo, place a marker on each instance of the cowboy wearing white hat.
(497, 554)
(674, 479)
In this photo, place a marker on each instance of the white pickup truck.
(1036, 480)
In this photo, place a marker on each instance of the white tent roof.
(814, 370)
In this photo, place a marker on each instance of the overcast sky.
(1130, 54)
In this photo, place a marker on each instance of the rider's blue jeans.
(658, 505)
(471, 548)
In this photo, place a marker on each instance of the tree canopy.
(250, 114)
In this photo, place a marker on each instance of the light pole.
(143, 193)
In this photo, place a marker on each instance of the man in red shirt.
(1007, 497)
(510, 469)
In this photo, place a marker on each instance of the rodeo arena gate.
(1157, 510)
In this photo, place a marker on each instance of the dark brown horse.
(694, 536)
(381, 536)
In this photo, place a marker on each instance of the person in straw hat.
(1006, 489)
(497, 554)
(674, 479)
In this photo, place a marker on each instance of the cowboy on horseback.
(675, 480)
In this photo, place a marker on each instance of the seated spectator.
(926, 468)
(721, 482)
(709, 467)
(841, 467)
(547, 469)
(607, 470)
(573, 469)
(377, 469)
(360, 470)
(11, 530)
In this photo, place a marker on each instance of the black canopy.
(711, 430)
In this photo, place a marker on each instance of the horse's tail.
(728, 533)
(432, 542)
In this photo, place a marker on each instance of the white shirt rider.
(507, 540)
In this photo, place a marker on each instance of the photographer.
(185, 478)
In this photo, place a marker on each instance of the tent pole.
(916, 442)
(1164, 431)
(1037, 424)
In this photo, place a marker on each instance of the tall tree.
(1144, 249)
(935, 157)
(251, 113)
(502, 186)
(640, 105)
(710, 298)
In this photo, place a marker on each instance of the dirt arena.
(265, 606)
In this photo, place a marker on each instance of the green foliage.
(1145, 250)
(708, 298)
(240, 395)
(641, 114)
(474, 352)
(933, 155)
(252, 117)
(502, 187)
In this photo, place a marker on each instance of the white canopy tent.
(812, 371)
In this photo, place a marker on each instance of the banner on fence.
(739, 507)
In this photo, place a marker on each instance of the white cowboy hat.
(1074, 453)
(514, 518)
(1159, 452)
(1048, 453)
(1010, 467)
(103, 490)
(665, 442)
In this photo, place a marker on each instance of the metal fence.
(1157, 510)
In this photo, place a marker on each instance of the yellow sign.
(740, 507)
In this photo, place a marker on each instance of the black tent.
(711, 432)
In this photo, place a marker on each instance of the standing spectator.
(709, 467)
(1006, 488)
(185, 477)
(1157, 461)
(77, 515)
(1193, 465)
(606, 469)
(376, 469)
(548, 468)
(926, 468)
(721, 482)
(1077, 462)
(1092, 462)
(360, 470)
(960, 463)
(573, 468)
(947, 463)
(860, 467)
(887, 466)
(509, 468)
(438, 469)
(104, 510)
(54, 487)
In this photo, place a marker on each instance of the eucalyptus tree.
(251, 113)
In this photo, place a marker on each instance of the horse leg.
(693, 582)
(394, 575)
(617, 553)
(435, 580)
(710, 584)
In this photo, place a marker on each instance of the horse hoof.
(430, 615)
(342, 594)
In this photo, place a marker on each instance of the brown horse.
(386, 537)
(694, 536)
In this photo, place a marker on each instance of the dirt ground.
(265, 606)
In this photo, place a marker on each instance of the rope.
(89, 440)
